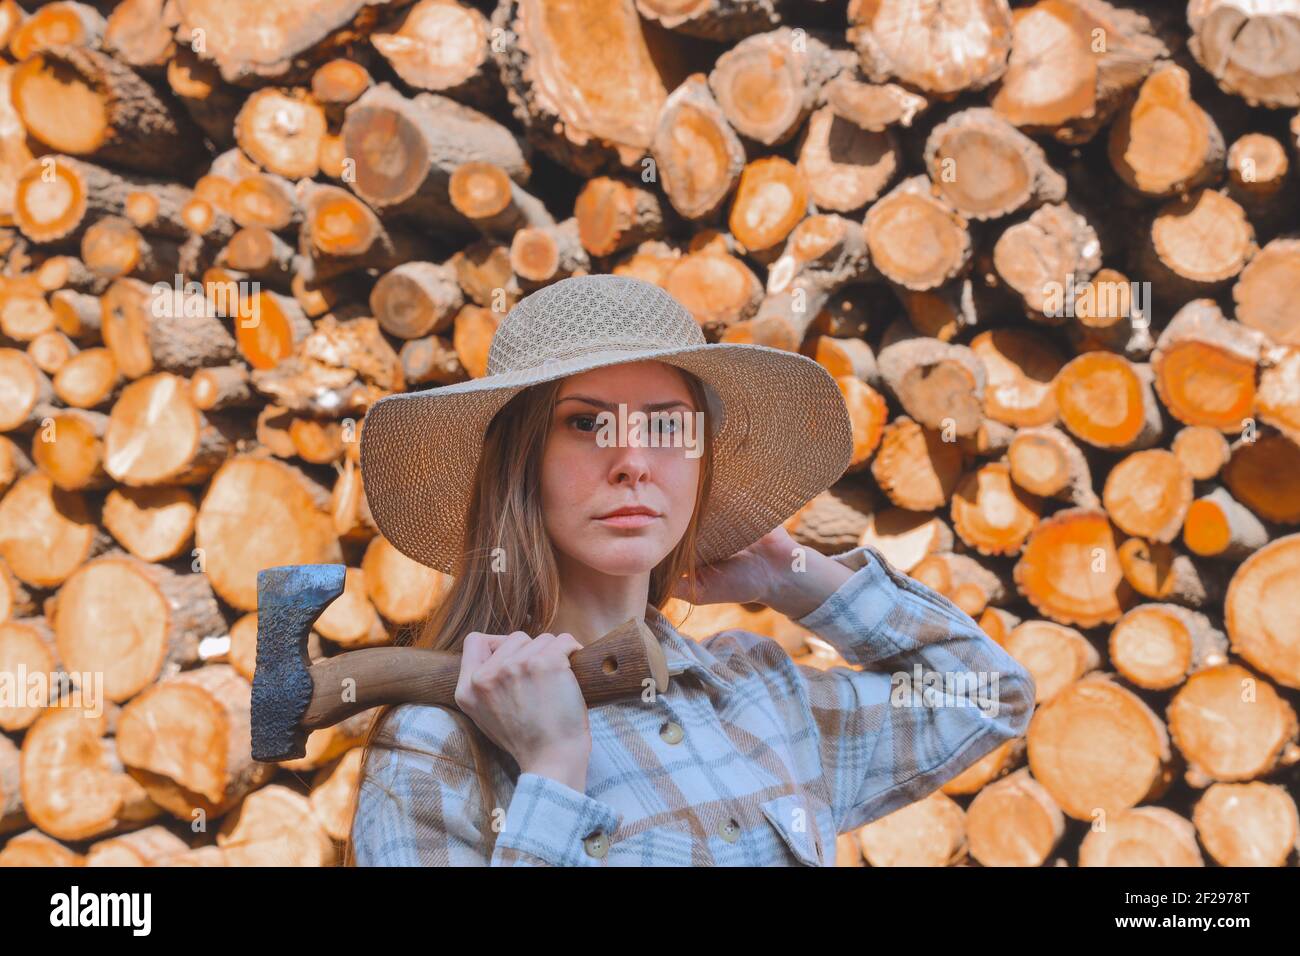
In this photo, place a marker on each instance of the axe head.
(289, 600)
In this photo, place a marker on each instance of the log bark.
(117, 118)
(405, 151)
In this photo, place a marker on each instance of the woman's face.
(588, 471)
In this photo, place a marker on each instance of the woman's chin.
(628, 556)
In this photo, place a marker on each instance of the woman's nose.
(631, 462)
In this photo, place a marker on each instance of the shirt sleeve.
(934, 696)
(419, 804)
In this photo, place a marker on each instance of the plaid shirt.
(747, 759)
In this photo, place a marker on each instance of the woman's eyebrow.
(650, 407)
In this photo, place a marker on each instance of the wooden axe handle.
(611, 668)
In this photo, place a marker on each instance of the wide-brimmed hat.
(784, 433)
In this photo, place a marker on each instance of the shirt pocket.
(798, 821)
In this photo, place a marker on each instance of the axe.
(293, 696)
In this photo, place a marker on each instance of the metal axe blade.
(289, 600)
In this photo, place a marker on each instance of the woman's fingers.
(550, 647)
(477, 648)
(510, 645)
(484, 656)
(566, 644)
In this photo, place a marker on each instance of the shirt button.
(730, 831)
(671, 733)
(597, 845)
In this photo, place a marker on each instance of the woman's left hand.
(744, 577)
(765, 573)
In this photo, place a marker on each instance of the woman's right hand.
(522, 693)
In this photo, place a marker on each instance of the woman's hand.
(767, 572)
(523, 695)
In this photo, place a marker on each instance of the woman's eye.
(583, 418)
(667, 426)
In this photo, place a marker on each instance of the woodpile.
(1049, 254)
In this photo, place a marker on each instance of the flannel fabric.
(748, 759)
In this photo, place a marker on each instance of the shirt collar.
(685, 656)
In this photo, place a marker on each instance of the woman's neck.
(593, 604)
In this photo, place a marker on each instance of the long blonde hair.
(505, 513)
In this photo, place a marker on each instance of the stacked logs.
(1045, 253)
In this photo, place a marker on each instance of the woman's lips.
(628, 521)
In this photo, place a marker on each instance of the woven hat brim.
(785, 437)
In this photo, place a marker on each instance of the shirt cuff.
(856, 609)
(550, 820)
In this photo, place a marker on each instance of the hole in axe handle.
(610, 664)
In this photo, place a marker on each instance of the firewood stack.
(1049, 254)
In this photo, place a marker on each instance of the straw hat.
(784, 437)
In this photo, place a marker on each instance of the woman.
(559, 523)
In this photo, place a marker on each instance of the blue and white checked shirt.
(748, 759)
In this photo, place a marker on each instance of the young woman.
(557, 525)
